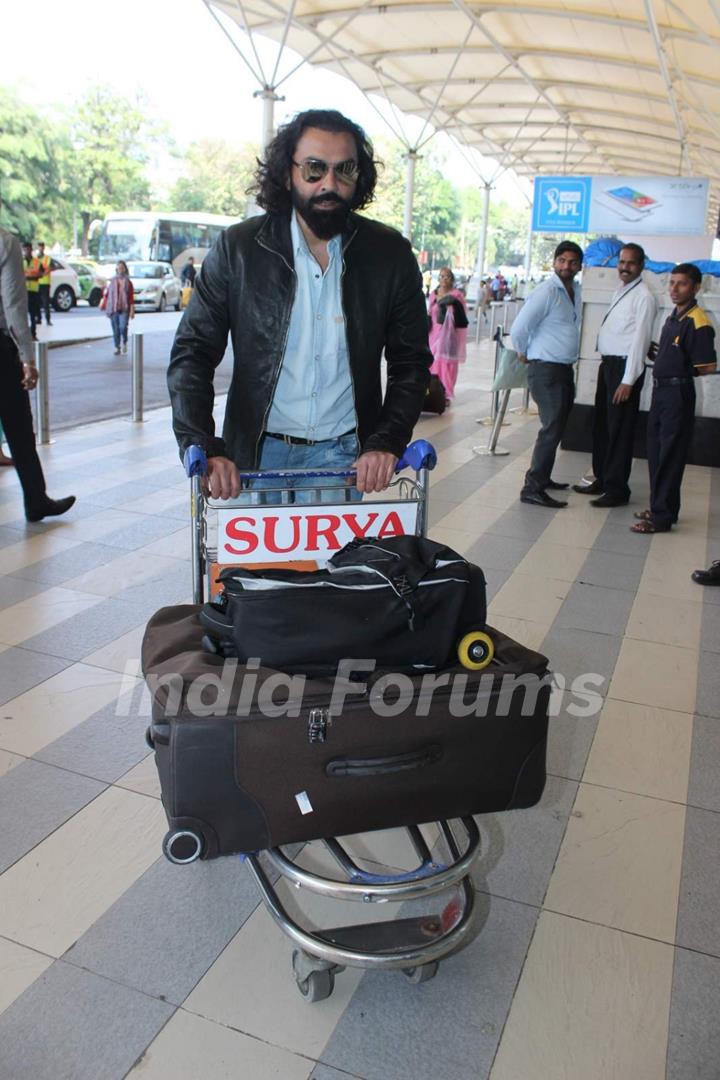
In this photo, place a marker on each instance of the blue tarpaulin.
(604, 252)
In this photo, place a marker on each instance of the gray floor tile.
(499, 552)
(82, 634)
(173, 585)
(618, 538)
(105, 745)
(13, 590)
(698, 921)
(324, 1072)
(20, 670)
(694, 1032)
(72, 1025)
(9, 535)
(592, 607)
(133, 491)
(520, 848)
(448, 1027)
(35, 799)
(704, 783)
(707, 702)
(169, 927)
(495, 580)
(577, 653)
(141, 532)
(711, 627)
(614, 570)
(527, 523)
(67, 564)
(570, 737)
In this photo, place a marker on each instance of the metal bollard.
(492, 449)
(137, 377)
(42, 391)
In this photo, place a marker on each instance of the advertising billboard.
(643, 205)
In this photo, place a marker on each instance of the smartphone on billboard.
(635, 200)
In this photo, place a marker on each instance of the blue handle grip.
(195, 461)
(418, 455)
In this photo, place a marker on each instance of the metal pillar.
(42, 391)
(480, 257)
(528, 254)
(137, 377)
(492, 449)
(411, 158)
(269, 97)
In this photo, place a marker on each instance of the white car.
(156, 286)
(64, 285)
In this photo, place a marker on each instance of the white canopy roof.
(543, 86)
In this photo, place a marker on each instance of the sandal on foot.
(643, 515)
(646, 526)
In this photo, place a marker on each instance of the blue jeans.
(119, 323)
(329, 454)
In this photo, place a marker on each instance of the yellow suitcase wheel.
(475, 650)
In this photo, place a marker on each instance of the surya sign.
(286, 533)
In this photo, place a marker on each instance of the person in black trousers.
(18, 374)
(686, 350)
(623, 343)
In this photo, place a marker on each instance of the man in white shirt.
(623, 344)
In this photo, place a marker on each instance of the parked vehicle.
(156, 285)
(64, 285)
(90, 284)
(169, 237)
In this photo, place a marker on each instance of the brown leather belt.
(295, 440)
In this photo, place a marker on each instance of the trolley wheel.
(475, 650)
(421, 974)
(182, 846)
(317, 986)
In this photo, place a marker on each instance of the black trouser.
(33, 310)
(44, 303)
(669, 434)
(614, 429)
(17, 421)
(553, 390)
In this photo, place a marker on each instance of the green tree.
(436, 203)
(29, 170)
(216, 178)
(106, 154)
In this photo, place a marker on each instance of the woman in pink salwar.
(448, 330)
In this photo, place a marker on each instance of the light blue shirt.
(548, 324)
(313, 397)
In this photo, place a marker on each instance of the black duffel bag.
(402, 601)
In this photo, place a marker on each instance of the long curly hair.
(270, 185)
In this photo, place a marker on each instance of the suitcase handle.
(379, 766)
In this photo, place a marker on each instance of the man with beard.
(546, 336)
(312, 295)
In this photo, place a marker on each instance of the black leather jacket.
(247, 286)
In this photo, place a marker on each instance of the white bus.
(149, 236)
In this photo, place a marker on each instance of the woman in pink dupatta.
(448, 330)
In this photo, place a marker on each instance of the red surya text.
(309, 532)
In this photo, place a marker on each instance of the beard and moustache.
(323, 223)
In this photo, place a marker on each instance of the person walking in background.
(118, 303)
(686, 350)
(31, 268)
(623, 344)
(448, 330)
(188, 273)
(546, 335)
(44, 262)
(18, 374)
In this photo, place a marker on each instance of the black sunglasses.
(313, 170)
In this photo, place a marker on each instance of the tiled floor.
(598, 956)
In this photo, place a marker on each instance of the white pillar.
(411, 157)
(528, 254)
(269, 97)
(482, 242)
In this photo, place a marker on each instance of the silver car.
(156, 286)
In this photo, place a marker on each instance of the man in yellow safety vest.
(31, 267)
(44, 262)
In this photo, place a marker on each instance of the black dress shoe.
(553, 485)
(608, 500)
(588, 489)
(711, 576)
(541, 498)
(50, 508)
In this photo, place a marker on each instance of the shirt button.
(314, 394)
(319, 316)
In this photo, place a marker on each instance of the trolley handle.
(420, 454)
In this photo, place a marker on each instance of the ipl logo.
(565, 203)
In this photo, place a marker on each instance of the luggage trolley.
(413, 945)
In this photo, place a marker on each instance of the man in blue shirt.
(313, 296)
(546, 335)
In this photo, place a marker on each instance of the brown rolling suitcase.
(251, 758)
